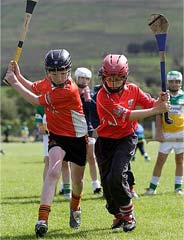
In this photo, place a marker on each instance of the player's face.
(174, 85)
(115, 81)
(59, 77)
(83, 81)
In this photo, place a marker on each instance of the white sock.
(95, 184)
(61, 186)
(155, 180)
(178, 180)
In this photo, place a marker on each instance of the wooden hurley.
(30, 5)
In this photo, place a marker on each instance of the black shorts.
(74, 147)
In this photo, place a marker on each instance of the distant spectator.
(24, 133)
(37, 135)
(140, 145)
(170, 132)
(7, 133)
(83, 77)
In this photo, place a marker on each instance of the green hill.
(89, 29)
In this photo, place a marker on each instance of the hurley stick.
(159, 26)
(30, 5)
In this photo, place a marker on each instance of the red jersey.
(63, 108)
(114, 110)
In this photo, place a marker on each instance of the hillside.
(89, 29)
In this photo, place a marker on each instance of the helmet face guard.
(114, 72)
(114, 83)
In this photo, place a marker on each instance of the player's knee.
(54, 173)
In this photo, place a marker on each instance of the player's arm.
(26, 93)
(116, 113)
(164, 96)
(162, 107)
(152, 106)
(13, 66)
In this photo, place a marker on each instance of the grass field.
(159, 217)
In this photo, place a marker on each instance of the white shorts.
(45, 145)
(166, 147)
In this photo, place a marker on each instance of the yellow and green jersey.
(176, 114)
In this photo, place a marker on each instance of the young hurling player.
(116, 142)
(67, 128)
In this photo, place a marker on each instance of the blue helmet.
(58, 59)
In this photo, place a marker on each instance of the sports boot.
(150, 191)
(126, 223)
(129, 222)
(75, 218)
(41, 228)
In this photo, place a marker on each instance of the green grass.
(159, 217)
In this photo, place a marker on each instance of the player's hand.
(10, 77)
(163, 107)
(13, 66)
(164, 96)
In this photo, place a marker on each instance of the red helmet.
(115, 65)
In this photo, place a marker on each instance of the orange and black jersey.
(63, 108)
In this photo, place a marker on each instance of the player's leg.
(133, 157)
(131, 182)
(93, 167)
(143, 151)
(113, 164)
(161, 159)
(46, 155)
(179, 158)
(77, 175)
(120, 184)
(66, 178)
(164, 149)
(56, 155)
(46, 166)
